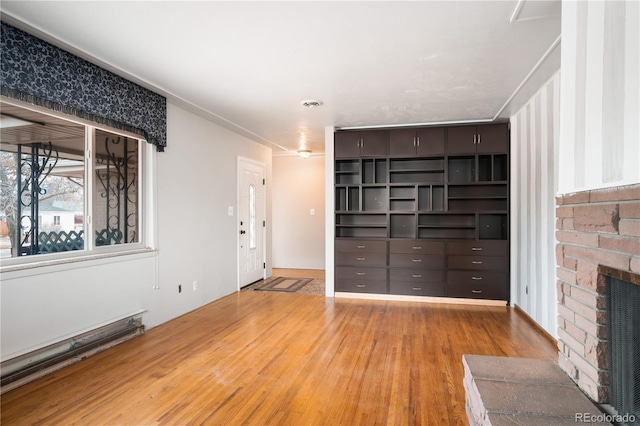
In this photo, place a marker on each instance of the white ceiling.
(247, 65)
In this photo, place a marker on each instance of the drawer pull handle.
(360, 273)
(417, 248)
(360, 247)
(476, 278)
(416, 260)
(476, 291)
(476, 248)
(417, 276)
(360, 285)
(476, 262)
(417, 288)
(360, 258)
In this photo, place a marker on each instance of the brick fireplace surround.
(597, 230)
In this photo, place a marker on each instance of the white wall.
(298, 187)
(600, 92)
(534, 142)
(196, 240)
(44, 305)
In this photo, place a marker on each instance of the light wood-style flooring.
(264, 358)
(298, 273)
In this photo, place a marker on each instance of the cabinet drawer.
(361, 259)
(401, 260)
(483, 248)
(471, 278)
(361, 286)
(415, 289)
(369, 246)
(478, 263)
(477, 285)
(416, 246)
(417, 275)
(356, 273)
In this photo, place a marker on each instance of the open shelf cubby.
(424, 170)
(374, 198)
(347, 172)
(374, 170)
(431, 198)
(402, 225)
(347, 198)
(492, 168)
(492, 226)
(462, 169)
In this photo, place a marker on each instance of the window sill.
(40, 262)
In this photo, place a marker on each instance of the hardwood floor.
(263, 358)
(298, 273)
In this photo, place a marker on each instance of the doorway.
(251, 221)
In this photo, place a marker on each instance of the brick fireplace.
(598, 234)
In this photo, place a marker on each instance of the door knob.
(242, 232)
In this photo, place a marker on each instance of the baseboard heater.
(30, 366)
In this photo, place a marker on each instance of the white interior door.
(251, 221)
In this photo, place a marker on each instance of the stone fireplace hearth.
(598, 232)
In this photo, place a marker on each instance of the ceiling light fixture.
(310, 103)
(304, 153)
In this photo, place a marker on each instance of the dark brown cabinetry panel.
(423, 211)
(461, 140)
(477, 263)
(416, 247)
(477, 285)
(361, 246)
(418, 289)
(404, 260)
(361, 286)
(484, 248)
(417, 275)
(362, 259)
(416, 142)
(371, 143)
(357, 273)
(347, 144)
(488, 138)
(362, 280)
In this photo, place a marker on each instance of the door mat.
(289, 285)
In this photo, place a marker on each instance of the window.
(252, 216)
(55, 174)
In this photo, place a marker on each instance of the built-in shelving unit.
(434, 187)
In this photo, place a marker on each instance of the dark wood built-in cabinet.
(423, 211)
(415, 142)
(370, 143)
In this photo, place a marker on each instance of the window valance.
(42, 74)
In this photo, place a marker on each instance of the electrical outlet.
(179, 288)
(195, 285)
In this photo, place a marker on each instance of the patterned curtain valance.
(39, 73)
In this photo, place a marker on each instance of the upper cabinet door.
(347, 144)
(402, 142)
(420, 142)
(374, 143)
(492, 138)
(430, 141)
(461, 140)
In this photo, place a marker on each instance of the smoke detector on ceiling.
(310, 103)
